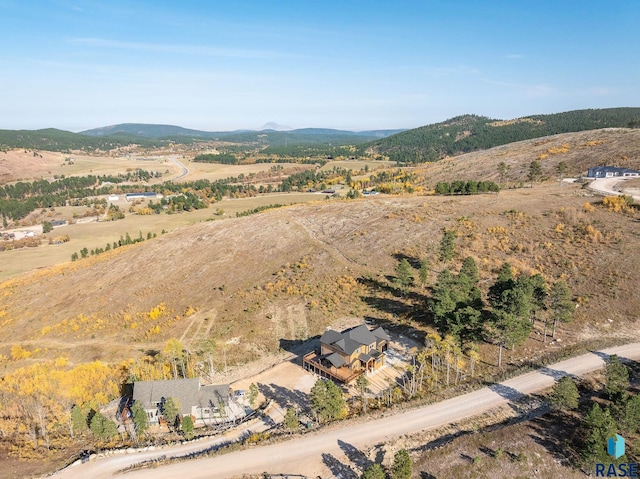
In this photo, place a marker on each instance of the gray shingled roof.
(351, 339)
(336, 360)
(189, 392)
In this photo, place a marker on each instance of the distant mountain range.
(170, 131)
(457, 135)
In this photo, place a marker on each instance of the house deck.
(311, 362)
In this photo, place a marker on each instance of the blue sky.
(224, 65)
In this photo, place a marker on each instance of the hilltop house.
(348, 354)
(205, 404)
(610, 172)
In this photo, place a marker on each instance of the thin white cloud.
(180, 49)
(514, 56)
(540, 91)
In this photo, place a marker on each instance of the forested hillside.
(51, 139)
(468, 133)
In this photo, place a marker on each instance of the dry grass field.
(29, 165)
(86, 232)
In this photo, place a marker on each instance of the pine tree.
(187, 427)
(291, 422)
(171, 411)
(565, 394)
(327, 400)
(404, 274)
(447, 245)
(402, 465)
(140, 420)
(617, 378)
(374, 471)
(598, 426)
(423, 273)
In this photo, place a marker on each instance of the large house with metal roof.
(206, 404)
(611, 172)
(348, 354)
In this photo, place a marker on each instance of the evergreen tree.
(423, 273)
(102, 427)
(562, 169)
(447, 245)
(327, 400)
(140, 420)
(617, 378)
(598, 426)
(503, 282)
(171, 411)
(402, 466)
(535, 171)
(291, 422)
(628, 414)
(565, 394)
(374, 471)
(187, 427)
(404, 274)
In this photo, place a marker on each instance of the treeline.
(20, 199)
(309, 151)
(222, 158)
(51, 139)
(468, 133)
(258, 210)
(123, 241)
(470, 187)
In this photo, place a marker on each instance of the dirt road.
(607, 186)
(309, 454)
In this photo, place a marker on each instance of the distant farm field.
(216, 171)
(29, 165)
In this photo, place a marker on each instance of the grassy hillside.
(578, 151)
(284, 275)
(468, 133)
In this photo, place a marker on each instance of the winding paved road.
(305, 455)
(185, 170)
